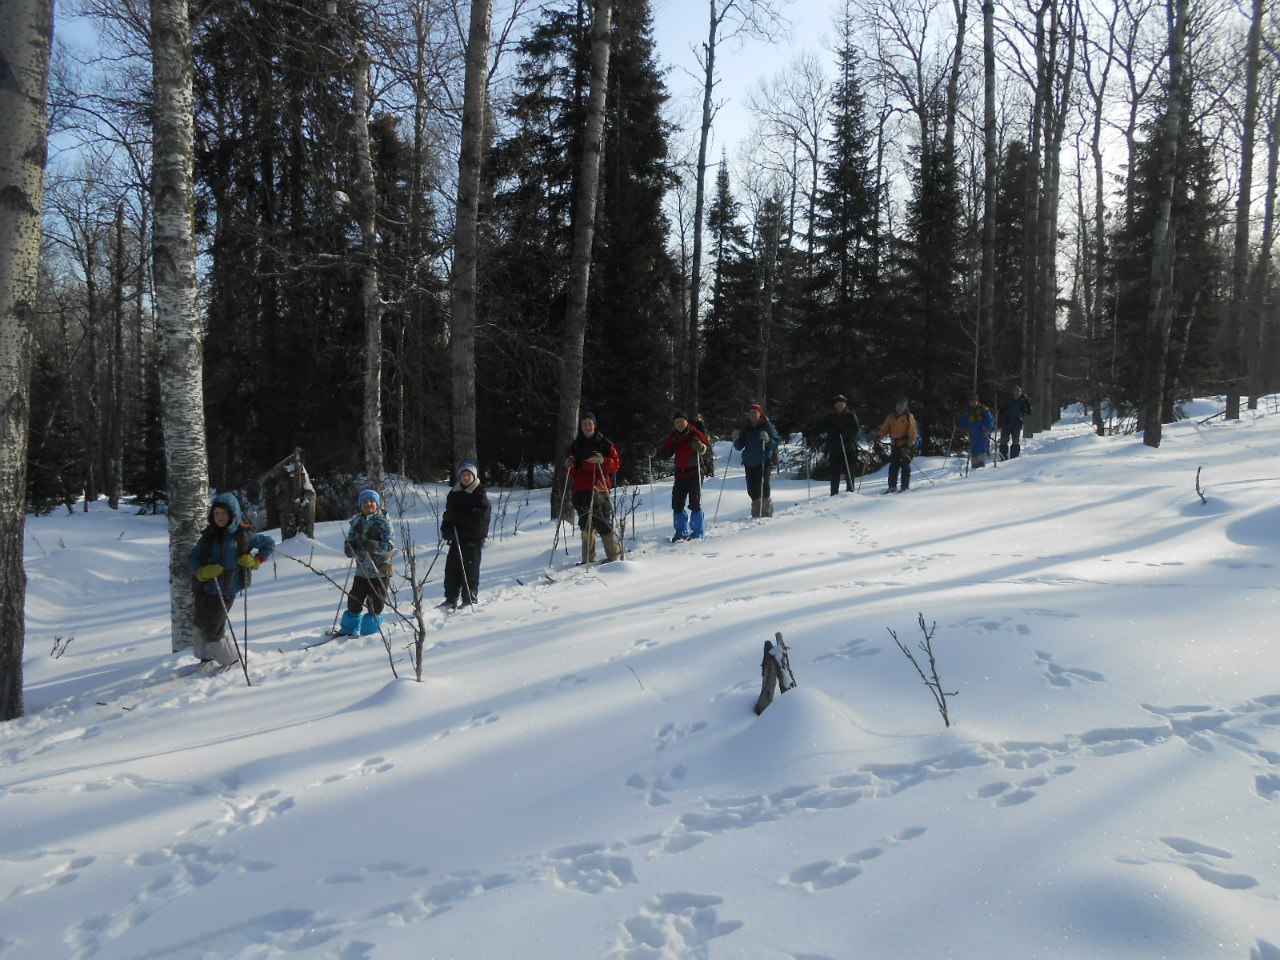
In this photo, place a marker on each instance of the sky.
(680, 24)
(580, 774)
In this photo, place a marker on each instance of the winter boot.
(697, 525)
(681, 521)
(350, 624)
(755, 509)
(766, 507)
(370, 623)
(612, 548)
(588, 546)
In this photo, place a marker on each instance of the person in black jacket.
(465, 527)
(840, 427)
(1016, 409)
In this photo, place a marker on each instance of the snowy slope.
(581, 775)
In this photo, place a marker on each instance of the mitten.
(249, 561)
(209, 571)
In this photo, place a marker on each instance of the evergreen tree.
(842, 341)
(1199, 266)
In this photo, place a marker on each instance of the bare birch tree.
(24, 77)
(584, 228)
(1236, 366)
(370, 298)
(727, 19)
(176, 296)
(1160, 304)
(462, 338)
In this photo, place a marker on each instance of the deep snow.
(581, 775)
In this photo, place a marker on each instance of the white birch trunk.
(462, 337)
(24, 75)
(367, 206)
(177, 317)
(575, 321)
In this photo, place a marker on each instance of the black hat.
(588, 416)
(679, 416)
(840, 398)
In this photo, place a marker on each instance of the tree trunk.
(690, 398)
(584, 231)
(115, 370)
(1159, 307)
(1262, 266)
(987, 285)
(370, 299)
(24, 76)
(462, 339)
(1234, 339)
(177, 315)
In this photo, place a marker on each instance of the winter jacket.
(900, 428)
(466, 515)
(371, 542)
(841, 429)
(759, 444)
(225, 546)
(1015, 411)
(978, 421)
(586, 474)
(685, 447)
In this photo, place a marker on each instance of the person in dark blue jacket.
(1016, 409)
(978, 423)
(759, 442)
(222, 561)
(370, 542)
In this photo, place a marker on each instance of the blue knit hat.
(369, 495)
(466, 465)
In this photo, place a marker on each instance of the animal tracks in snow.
(826, 874)
(673, 926)
(1060, 676)
(1205, 861)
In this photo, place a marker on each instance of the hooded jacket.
(225, 546)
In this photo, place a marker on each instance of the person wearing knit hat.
(686, 443)
(465, 527)
(900, 428)
(841, 428)
(370, 542)
(591, 462)
(759, 442)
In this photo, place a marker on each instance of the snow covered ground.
(581, 776)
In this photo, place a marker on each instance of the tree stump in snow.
(291, 499)
(775, 671)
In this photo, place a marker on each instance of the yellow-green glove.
(209, 571)
(249, 561)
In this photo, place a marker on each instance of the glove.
(568, 463)
(348, 549)
(209, 571)
(249, 561)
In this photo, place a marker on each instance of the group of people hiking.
(229, 550)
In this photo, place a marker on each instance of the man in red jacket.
(591, 463)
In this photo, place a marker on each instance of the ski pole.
(226, 618)
(723, 477)
(245, 633)
(559, 518)
(808, 475)
(342, 598)
(844, 452)
(653, 516)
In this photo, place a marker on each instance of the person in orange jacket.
(900, 428)
(591, 462)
